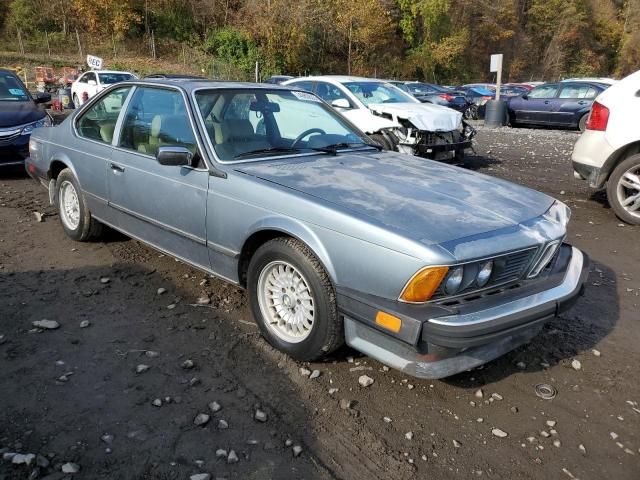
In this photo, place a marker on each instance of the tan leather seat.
(237, 136)
(106, 131)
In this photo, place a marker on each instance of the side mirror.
(92, 83)
(174, 156)
(341, 103)
(42, 97)
(525, 96)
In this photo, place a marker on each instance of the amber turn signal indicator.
(388, 321)
(423, 284)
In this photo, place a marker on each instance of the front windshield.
(378, 92)
(109, 78)
(244, 124)
(11, 89)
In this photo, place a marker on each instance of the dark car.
(173, 76)
(564, 104)
(430, 93)
(477, 97)
(19, 115)
(278, 79)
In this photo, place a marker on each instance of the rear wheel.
(623, 190)
(293, 300)
(471, 113)
(76, 102)
(582, 123)
(75, 217)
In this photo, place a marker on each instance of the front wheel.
(293, 300)
(623, 190)
(76, 101)
(75, 216)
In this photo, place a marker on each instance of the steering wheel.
(306, 133)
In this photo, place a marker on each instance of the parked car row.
(429, 268)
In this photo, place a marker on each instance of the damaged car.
(392, 118)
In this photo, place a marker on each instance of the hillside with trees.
(443, 41)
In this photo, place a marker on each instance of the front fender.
(299, 230)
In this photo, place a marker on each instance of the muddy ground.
(73, 394)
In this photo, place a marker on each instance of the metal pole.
(113, 40)
(79, 45)
(46, 35)
(499, 78)
(256, 72)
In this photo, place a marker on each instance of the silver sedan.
(426, 267)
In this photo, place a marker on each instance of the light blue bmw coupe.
(429, 268)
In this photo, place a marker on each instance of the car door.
(536, 106)
(91, 151)
(91, 85)
(162, 205)
(574, 99)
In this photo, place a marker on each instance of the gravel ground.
(125, 386)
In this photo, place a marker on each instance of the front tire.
(623, 190)
(293, 300)
(382, 141)
(75, 216)
(76, 102)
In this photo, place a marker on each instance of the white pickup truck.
(608, 152)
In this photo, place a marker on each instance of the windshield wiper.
(267, 150)
(334, 147)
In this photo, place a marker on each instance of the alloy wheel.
(286, 301)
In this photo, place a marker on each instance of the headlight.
(454, 280)
(423, 284)
(484, 273)
(43, 122)
(558, 213)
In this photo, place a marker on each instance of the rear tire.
(76, 102)
(293, 300)
(582, 123)
(75, 216)
(624, 186)
(471, 113)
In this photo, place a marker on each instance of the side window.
(89, 76)
(329, 92)
(156, 117)
(99, 122)
(544, 91)
(305, 85)
(83, 79)
(578, 91)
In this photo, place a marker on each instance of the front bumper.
(436, 342)
(443, 147)
(14, 150)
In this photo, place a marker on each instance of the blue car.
(19, 115)
(564, 104)
(429, 268)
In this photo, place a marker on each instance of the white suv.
(608, 152)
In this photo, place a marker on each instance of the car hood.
(18, 113)
(367, 121)
(424, 116)
(421, 199)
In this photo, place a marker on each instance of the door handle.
(546, 102)
(582, 102)
(117, 168)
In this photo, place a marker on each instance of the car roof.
(189, 84)
(341, 78)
